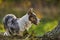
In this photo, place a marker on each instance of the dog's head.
(32, 17)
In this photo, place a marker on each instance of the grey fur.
(10, 23)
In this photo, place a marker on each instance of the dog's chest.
(24, 25)
(27, 25)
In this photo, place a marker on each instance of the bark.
(52, 35)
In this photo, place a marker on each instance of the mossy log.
(52, 35)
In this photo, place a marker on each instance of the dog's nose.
(38, 20)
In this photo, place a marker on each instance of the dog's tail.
(7, 18)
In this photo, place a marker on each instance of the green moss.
(43, 27)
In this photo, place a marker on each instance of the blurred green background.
(47, 10)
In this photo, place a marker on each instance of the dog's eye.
(33, 19)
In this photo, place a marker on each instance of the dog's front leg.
(25, 33)
(6, 33)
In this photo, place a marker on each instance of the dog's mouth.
(36, 22)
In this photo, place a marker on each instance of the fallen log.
(52, 35)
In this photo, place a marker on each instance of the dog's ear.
(30, 11)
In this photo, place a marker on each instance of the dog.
(16, 26)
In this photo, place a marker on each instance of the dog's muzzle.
(37, 22)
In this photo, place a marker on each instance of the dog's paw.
(6, 34)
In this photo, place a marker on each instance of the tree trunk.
(53, 35)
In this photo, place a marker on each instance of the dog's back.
(8, 19)
(10, 24)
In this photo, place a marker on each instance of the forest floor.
(17, 38)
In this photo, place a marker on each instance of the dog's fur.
(14, 25)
